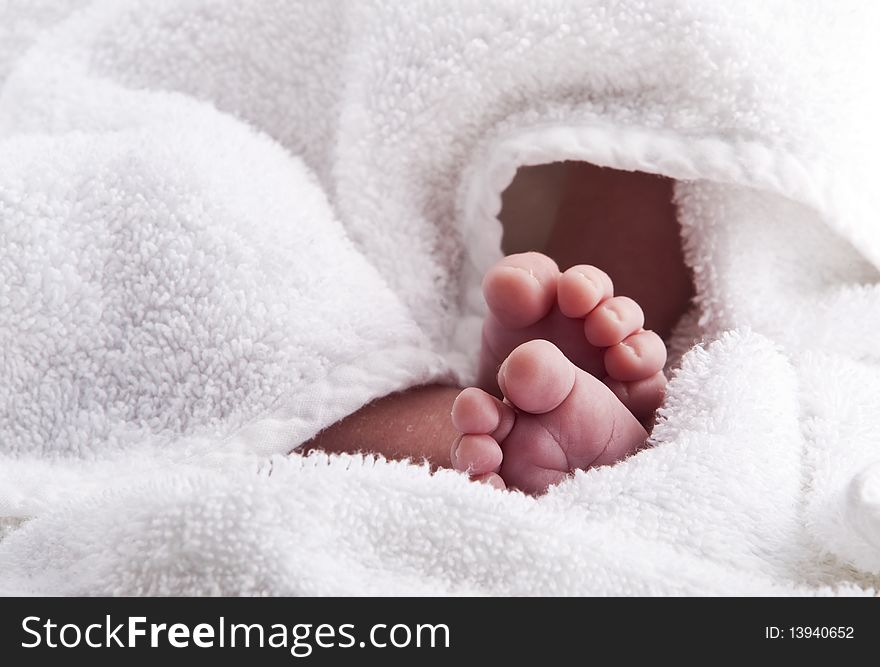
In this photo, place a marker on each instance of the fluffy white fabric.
(226, 225)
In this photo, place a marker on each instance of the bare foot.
(602, 334)
(624, 221)
(558, 415)
(556, 418)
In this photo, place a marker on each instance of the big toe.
(521, 289)
(536, 377)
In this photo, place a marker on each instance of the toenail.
(590, 281)
(632, 349)
(529, 270)
(502, 377)
(453, 455)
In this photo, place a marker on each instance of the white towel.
(226, 225)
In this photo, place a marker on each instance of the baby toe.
(492, 479)
(521, 289)
(612, 321)
(581, 288)
(637, 357)
(476, 411)
(641, 397)
(476, 454)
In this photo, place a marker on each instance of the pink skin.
(556, 418)
(563, 410)
(570, 404)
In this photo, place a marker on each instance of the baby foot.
(556, 418)
(602, 334)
